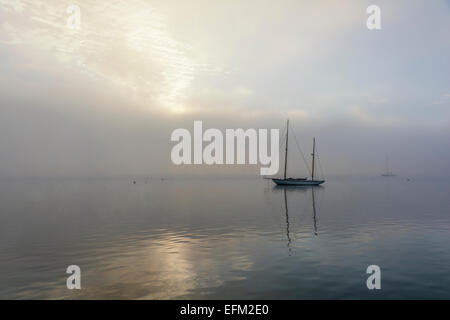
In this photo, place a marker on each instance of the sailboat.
(388, 173)
(297, 181)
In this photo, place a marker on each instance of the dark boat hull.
(297, 182)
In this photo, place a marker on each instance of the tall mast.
(387, 165)
(286, 153)
(313, 156)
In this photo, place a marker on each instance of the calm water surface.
(224, 238)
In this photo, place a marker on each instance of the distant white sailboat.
(388, 173)
(298, 181)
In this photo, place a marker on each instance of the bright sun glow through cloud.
(125, 42)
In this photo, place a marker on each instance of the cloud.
(127, 43)
(104, 99)
(364, 117)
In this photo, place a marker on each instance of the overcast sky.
(104, 99)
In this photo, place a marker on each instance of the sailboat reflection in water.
(286, 208)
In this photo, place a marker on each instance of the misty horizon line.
(398, 176)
